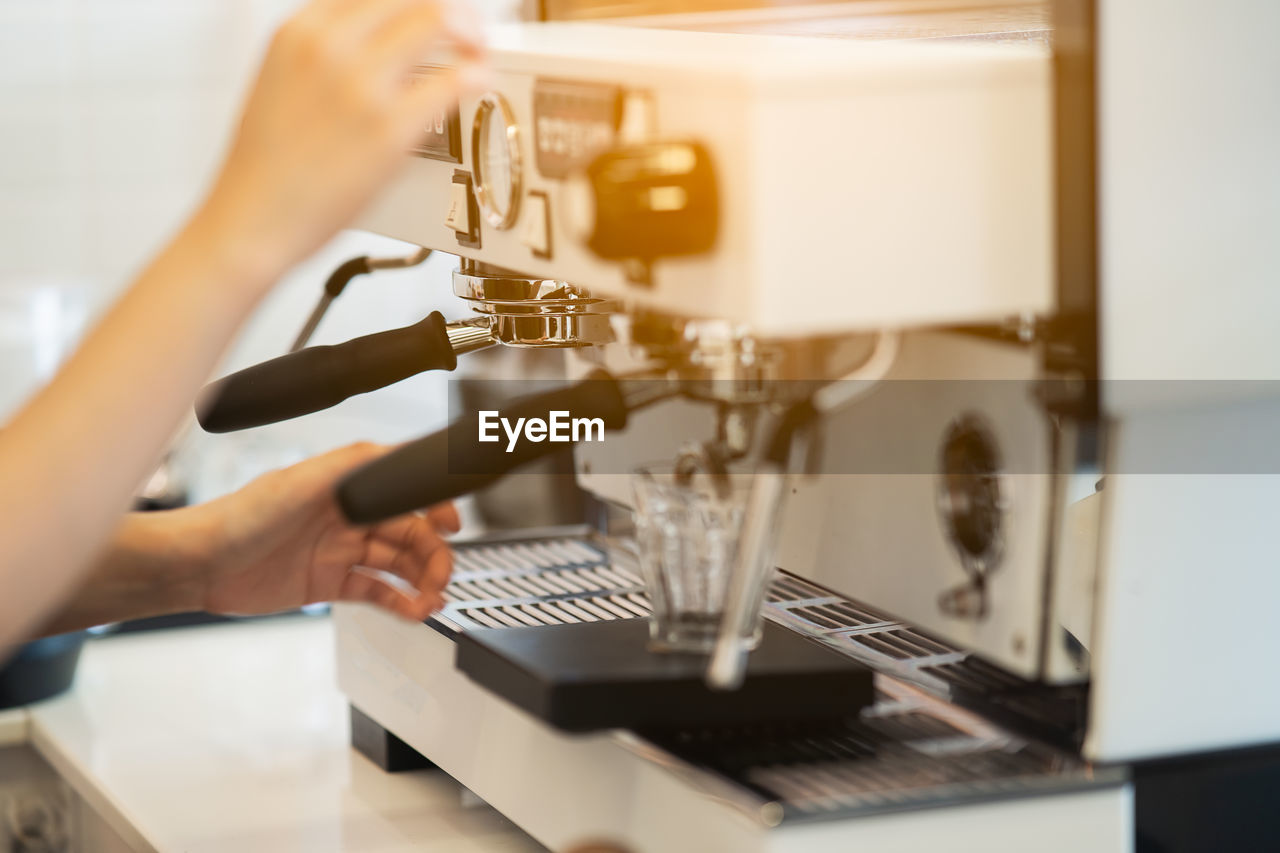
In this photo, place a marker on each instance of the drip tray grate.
(559, 581)
(910, 749)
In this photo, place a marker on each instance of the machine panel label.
(441, 139)
(573, 122)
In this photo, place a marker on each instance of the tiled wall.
(113, 117)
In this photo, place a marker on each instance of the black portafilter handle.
(316, 378)
(454, 462)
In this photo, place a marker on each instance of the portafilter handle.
(455, 462)
(316, 378)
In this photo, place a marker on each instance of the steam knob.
(647, 201)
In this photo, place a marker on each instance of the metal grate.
(895, 780)
(909, 749)
(539, 582)
(563, 580)
(595, 608)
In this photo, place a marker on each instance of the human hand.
(332, 114)
(281, 542)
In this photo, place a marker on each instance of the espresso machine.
(946, 278)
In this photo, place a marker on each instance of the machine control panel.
(442, 137)
(573, 122)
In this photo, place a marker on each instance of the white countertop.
(234, 738)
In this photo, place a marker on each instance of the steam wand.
(753, 559)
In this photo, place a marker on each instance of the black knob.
(648, 201)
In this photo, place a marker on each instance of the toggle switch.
(536, 230)
(458, 218)
(462, 215)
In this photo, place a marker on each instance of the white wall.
(113, 117)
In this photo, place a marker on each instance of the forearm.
(152, 565)
(73, 457)
(327, 122)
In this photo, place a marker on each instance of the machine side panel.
(1186, 627)
(1189, 197)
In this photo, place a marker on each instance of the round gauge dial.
(495, 157)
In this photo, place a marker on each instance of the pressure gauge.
(495, 157)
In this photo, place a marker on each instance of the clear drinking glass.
(687, 529)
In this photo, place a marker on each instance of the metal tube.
(752, 563)
(338, 282)
(399, 263)
(313, 321)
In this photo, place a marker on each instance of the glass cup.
(687, 529)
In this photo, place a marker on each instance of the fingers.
(411, 533)
(367, 585)
(417, 104)
(445, 516)
(418, 570)
(389, 35)
(410, 548)
(358, 19)
(373, 20)
(359, 453)
(402, 39)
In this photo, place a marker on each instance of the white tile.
(146, 136)
(128, 225)
(35, 52)
(130, 42)
(41, 230)
(36, 141)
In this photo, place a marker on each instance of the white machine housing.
(863, 185)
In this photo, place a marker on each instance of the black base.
(600, 675)
(383, 748)
(1224, 801)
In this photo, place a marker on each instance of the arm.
(151, 566)
(326, 124)
(276, 544)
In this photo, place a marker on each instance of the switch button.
(536, 230)
(459, 216)
(462, 215)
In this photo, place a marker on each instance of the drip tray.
(600, 675)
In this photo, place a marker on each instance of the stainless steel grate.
(911, 748)
(539, 582)
(904, 780)
(864, 633)
(595, 608)
(561, 580)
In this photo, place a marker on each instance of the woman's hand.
(333, 112)
(276, 544)
(281, 542)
